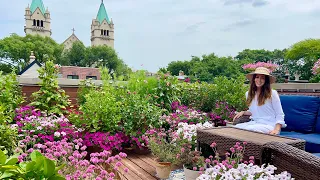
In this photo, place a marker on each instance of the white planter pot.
(190, 174)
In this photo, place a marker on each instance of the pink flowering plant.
(316, 67)
(105, 140)
(222, 111)
(190, 158)
(34, 126)
(232, 158)
(182, 113)
(99, 166)
(252, 66)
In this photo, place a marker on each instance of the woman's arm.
(276, 104)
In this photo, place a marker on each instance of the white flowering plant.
(243, 171)
(235, 166)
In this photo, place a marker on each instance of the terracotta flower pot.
(190, 174)
(163, 169)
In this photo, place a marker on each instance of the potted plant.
(234, 165)
(165, 153)
(192, 161)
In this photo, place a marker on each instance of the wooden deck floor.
(140, 167)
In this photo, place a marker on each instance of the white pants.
(255, 126)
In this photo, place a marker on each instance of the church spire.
(37, 4)
(102, 13)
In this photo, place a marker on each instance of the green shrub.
(101, 110)
(8, 139)
(138, 114)
(141, 84)
(204, 96)
(50, 97)
(167, 91)
(231, 91)
(85, 87)
(10, 95)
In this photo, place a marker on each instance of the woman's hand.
(238, 115)
(275, 132)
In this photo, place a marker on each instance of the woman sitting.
(264, 104)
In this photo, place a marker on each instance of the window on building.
(41, 23)
(34, 22)
(107, 32)
(91, 77)
(73, 77)
(38, 23)
(101, 32)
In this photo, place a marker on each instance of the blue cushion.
(300, 112)
(317, 154)
(317, 125)
(312, 140)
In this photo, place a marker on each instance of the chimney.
(32, 57)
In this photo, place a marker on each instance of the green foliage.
(50, 97)
(175, 66)
(85, 87)
(199, 96)
(138, 114)
(106, 57)
(10, 96)
(8, 140)
(16, 49)
(301, 57)
(163, 150)
(5, 68)
(101, 109)
(76, 55)
(39, 167)
(204, 96)
(231, 91)
(167, 91)
(315, 79)
(257, 55)
(141, 84)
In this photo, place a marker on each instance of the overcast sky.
(151, 33)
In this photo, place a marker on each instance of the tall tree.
(76, 54)
(301, 56)
(175, 67)
(261, 55)
(15, 49)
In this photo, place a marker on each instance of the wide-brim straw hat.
(262, 70)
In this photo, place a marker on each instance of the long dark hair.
(264, 94)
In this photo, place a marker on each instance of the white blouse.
(270, 113)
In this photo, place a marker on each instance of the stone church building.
(38, 21)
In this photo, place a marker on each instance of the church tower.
(102, 29)
(37, 19)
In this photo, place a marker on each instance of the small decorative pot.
(190, 174)
(163, 169)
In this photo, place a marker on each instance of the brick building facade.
(74, 72)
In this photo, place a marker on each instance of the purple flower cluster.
(105, 140)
